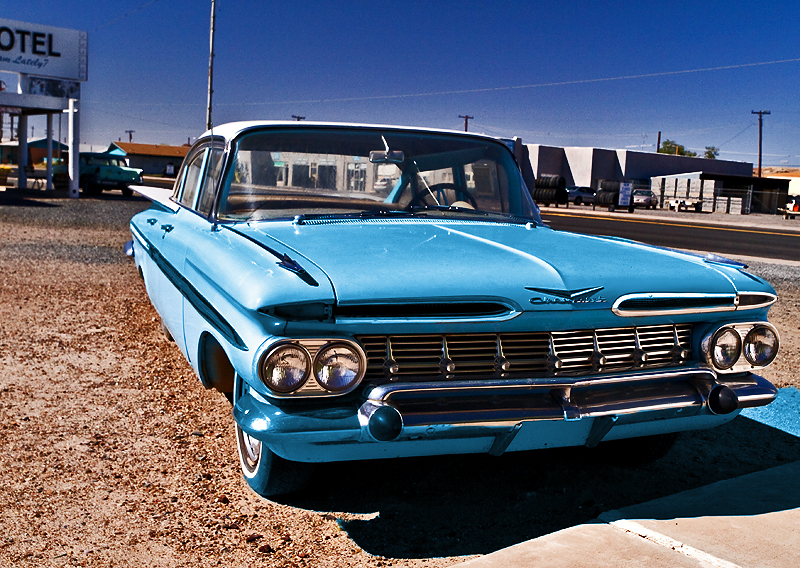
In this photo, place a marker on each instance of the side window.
(191, 180)
(206, 199)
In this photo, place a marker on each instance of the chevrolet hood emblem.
(567, 294)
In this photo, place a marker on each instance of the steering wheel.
(438, 189)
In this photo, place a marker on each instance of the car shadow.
(465, 505)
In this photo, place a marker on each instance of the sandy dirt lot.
(112, 453)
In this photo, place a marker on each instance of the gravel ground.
(112, 453)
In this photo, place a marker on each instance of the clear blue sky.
(566, 73)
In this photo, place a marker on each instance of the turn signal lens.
(760, 346)
(338, 367)
(726, 348)
(286, 369)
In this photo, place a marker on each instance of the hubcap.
(249, 450)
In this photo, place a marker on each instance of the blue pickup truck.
(101, 170)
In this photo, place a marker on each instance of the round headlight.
(726, 348)
(286, 369)
(338, 367)
(760, 346)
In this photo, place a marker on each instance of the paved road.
(739, 237)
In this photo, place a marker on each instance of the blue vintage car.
(435, 316)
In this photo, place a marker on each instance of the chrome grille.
(465, 356)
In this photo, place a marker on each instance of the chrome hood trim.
(642, 304)
(657, 304)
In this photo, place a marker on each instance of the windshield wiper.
(366, 214)
(506, 217)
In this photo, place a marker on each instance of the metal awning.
(15, 103)
(24, 105)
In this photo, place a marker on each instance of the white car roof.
(232, 129)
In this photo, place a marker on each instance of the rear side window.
(191, 180)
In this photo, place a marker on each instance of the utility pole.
(658, 144)
(298, 118)
(130, 135)
(760, 114)
(211, 64)
(466, 120)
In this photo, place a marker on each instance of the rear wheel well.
(216, 370)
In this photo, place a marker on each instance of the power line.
(519, 87)
(126, 15)
(748, 127)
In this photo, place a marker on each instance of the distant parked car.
(580, 195)
(645, 198)
(383, 185)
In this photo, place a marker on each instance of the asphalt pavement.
(755, 236)
(718, 218)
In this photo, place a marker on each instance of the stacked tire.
(608, 199)
(550, 189)
(608, 196)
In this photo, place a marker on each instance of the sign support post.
(49, 151)
(22, 151)
(74, 148)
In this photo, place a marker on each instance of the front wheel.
(267, 474)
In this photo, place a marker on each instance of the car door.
(169, 232)
(200, 235)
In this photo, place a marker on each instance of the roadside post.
(702, 184)
(747, 202)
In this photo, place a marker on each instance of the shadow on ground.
(464, 505)
(14, 199)
(54, 208)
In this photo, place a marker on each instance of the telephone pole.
(211, 64)
(466, 120)
(130, 135)
(298, 118)
(760, 114)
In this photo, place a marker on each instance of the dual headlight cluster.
(312, 367)
(741, 347)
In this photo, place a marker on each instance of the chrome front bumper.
(465, 409)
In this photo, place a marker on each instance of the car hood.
(416, 260)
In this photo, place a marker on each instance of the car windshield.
(279, 173)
